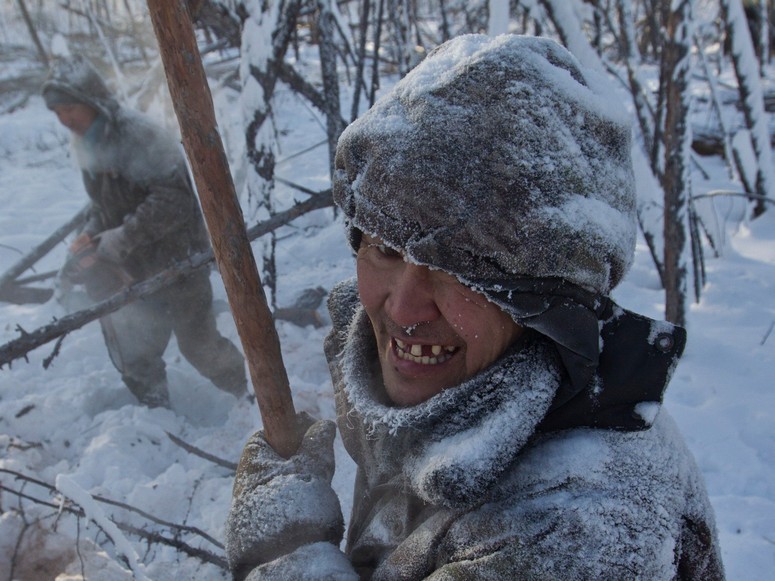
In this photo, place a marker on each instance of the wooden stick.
(194, 108)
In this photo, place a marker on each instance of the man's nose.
(412, 298)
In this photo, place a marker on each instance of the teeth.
(414, 352)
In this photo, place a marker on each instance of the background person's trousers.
(138, 334)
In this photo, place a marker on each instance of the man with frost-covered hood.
(503, 412)
(144, 217)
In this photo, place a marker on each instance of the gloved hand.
(86, 266)
(112, 245)
(82, 258)
(279, 505)
(83, 240)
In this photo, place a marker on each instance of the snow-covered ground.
(75, 426)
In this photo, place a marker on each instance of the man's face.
(75, 116)
(432, 331)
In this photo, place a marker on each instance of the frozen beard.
(453, 446)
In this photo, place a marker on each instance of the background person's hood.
(77, 78)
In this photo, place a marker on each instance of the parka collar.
(452, 448)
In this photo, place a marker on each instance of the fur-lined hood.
(494, 159)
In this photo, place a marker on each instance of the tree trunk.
(445, 35)
(400, 20)
(644, 111)
(327, 48)
(360, 58)
(377, 45)
(764, 36)
(676, 71)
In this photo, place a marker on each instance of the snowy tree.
(328, 62)
(266, 34)
(751, 97)
(33, 32)
(498, 22)
(401, 24)
(649, 210)
(764, 34)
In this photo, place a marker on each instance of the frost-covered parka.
(135, 175)
(500, 162)
(495, 478)
(483, 481)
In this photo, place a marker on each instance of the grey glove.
(86, 265)
(112, 245)
(279, 505)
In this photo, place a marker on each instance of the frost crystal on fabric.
(282, 504)
(493, 158)
(465, 486)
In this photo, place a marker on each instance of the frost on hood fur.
(495, 158)
(470, 433)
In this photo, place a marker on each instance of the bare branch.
(156, 537)
(201, 453)
(44, 247)
(20, 347)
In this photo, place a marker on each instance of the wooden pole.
(194, 108)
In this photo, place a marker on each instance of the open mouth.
(423, 354)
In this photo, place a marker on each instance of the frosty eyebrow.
(385, 249)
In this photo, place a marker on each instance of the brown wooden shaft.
(196, 115)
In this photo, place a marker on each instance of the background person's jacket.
(135, 175)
